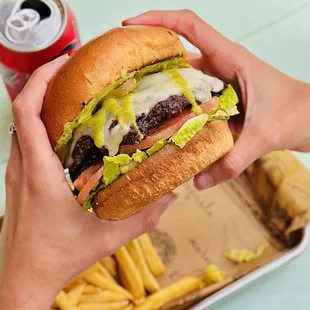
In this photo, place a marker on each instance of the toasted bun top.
(99, 63)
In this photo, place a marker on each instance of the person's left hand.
(47, 239)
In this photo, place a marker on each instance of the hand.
(47, 239)
(274, 105)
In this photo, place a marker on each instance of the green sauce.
(111, 105)
(97, 122)
(128, 114)
(182, 83)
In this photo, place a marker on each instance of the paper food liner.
(268, 204)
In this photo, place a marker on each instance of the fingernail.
(131, 19)
(204, 181)
(62, 58)
(169, 199)
(125, 22)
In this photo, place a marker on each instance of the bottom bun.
(163, 172)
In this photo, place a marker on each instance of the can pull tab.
(19, 26)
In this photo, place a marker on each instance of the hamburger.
(131, 120)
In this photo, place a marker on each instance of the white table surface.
(278, 32)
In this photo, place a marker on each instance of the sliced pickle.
(125, 88)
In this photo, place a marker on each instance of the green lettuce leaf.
(121, 159)
(112, 165)
(139, 156)
(189, 130)
(218, 114)
(156, 147)
(228, 100)
(88, 203)
(110, 173)
(126, 168)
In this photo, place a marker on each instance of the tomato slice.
(84, 177)
(168, 128)
(92, 182)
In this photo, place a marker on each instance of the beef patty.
(84, 155)
(163, 110)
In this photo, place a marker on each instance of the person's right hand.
(274, 106)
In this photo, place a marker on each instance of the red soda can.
(32, 33)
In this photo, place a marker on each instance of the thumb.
(246, 150)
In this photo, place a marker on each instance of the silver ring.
(12, 128)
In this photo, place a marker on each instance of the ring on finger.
(12, 128)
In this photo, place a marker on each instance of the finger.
(13, 177)
(195, 60)
(236, 123)
(121, 232)
(193, 55)
(34, 91)
(232, 164)
(14, 169)
(15, 158)
(31, 132)
(302, 149)
(187, 24)
(7, 233)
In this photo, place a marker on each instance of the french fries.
(108, 306)
(62, 301)
(149, 281)
(98, 267)
(172, 292)
(126, 284)
(66, 301)
(102, 297)
(121, 281)
(74, 283)
(97, 279)
(109, 263)
(244, 255)
(151, 256)
(75, 294)
(213, 274)
(104, 271)
(91, 289)
(131, 276)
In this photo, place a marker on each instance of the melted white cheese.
(113, 137)
(159, 87)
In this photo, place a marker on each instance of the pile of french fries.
(126, 280)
